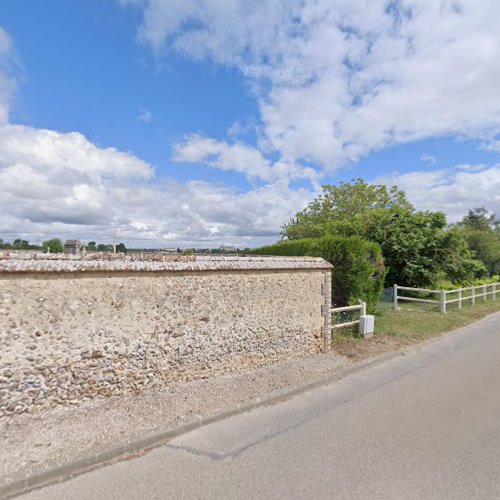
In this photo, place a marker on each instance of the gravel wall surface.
(69, 337)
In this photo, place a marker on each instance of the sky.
(197, 123)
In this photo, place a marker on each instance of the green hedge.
(476, 282)
(358, 266)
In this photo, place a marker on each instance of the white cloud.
(334, 79)
(70, 153)
(492, 145)
(62, 184)
(205, 214)
(342, 78)
(453, 190)
(239, 157)
(46, 176)
(145, 115)
(429, 159)
(238, 128)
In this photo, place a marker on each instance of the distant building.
(227, 248)
(73, 247)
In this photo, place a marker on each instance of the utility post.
(395, 297)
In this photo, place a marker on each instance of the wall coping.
(59, 263)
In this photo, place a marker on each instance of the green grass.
(421, 321)
(418, 321)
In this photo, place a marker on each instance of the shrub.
(358, 266)
(55, 245)
(446, 285)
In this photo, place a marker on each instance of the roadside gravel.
(33, 443)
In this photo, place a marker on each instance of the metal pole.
(395, 297)
(443, 302)
(460, 298)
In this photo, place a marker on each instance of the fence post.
(363, 308)
(494, 292)
(484, 293)
(473, 295)
(395, 297)
(443, 302)
(460, 298)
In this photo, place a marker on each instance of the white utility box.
(367, 325)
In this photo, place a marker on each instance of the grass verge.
(412, 324)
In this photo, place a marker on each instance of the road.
(423, 425)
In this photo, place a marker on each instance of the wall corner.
(326, 290)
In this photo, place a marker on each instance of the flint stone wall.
(71, 329)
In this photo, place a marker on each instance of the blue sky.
(196, 123)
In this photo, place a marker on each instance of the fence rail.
(443, 294)
(361, 307)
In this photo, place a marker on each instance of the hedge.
(358, 266)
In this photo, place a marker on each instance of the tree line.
(419, 247)
(412, 247)
(56, 245)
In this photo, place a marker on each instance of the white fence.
(475, 292)
(361, 307)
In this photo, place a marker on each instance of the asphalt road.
(423, 425)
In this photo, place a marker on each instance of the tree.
(104, 248)
(413, 242)
(479, 219)
(54, 245)
(459, 263)
(91, 246)
(343, 209)
(121, 248)
(20, 244)
(482, 231)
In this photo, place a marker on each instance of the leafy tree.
(480, 219)
(413, 242)
(121, 248)
(482, 231)
(54, 245)
(104, 248)
(92, 246)
(459, 263)
(343, 209)
(20, 244)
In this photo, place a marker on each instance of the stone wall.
(76, 329)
